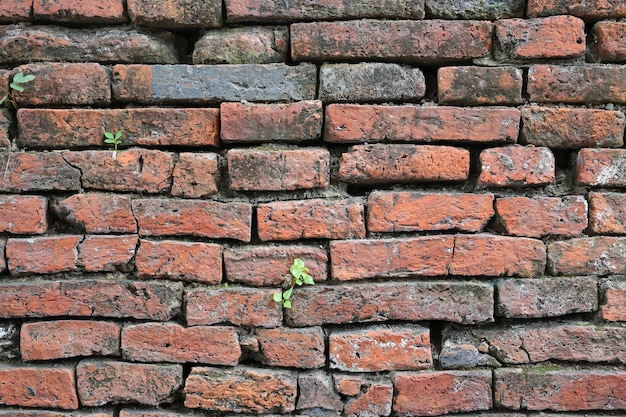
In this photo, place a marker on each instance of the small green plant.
(17, 84)
(113, 139)
(299, 276)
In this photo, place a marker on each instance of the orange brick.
(614, 295)
(375, 396)
(607, 213)
(107, 253)
(98, 213)
(297, 348)
(54, 387)
(195, 175)
(37, 172)
(601, 167)
(473, 86)
(590, 9)
(609, 37)
(175, 14)
(23, 215)
(599, 255)
(108, 11)
(15, 10)
(516, 166)
(42, 255)
(5, 118)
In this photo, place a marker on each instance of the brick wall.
(452, 173)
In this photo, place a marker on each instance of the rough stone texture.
(38, 387)
(176, 14)
(9, 341)
(245, 45)
(15, 412)
(195, 175)
(241, 390)
(12, 11)
(370, 82)
(614, 299)
(5, 119)
(107, 253)
(479, 85)
(600, 255)
(607, 213)
(375, 397)
(601, 167)
(23, 215)
(42, 255)
(591, 9)
(37, 172)
(297, 348)
(515, 166)
(98, 213)
(316, 392)
(475, 9)
(609, 36)
(107, 12)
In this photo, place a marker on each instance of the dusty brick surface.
(294, 348)
(106, 253)
(475, 9)
(601, 167)
(37, 172)
(376, 397)
(587, 255)
(5, 120)
(246, 45)
(475, 86)
(17, 10)
(614, 299)
(98, 213)
(55, 387)
(23, 215)
(108, 11)
(607, 213)
(175, 14)
(316, 392)
(516, 166)
(42, 255)
(195, 175)
(594, 9)
(609, 47)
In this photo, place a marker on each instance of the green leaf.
(287, 294)
(308, 279)
(118, 134)
(27, 78)
(110, 141)
(287, 304)
(16, 87)
(298, 280)
(109, 135)
(278, 297)
(19, 78)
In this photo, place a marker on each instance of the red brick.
(443, 392)
(583, 84)
(558, 37)
(607, 213)
(383, 164)
(184, 261)
(601, 167)
(5, 118)
(474, 9)
(239, 306)
(243, 45)
(590, 9)
(288, 122)
(278, 170)
(98, 213)
(493, 255)
(42, 255)
(316, 391)
(195, 175)
(599, 255)
(426, 41)
(380, 348)
(93, 298)
(107, 253)
(58, 84)
(297, 348)
(572, 128)
(311, 219)
(68, 338)
(176, 14)
(241, 390)
(133, 412)
(353, 123)
(38, 387)
(542, 216)
(458, 302)
(406, 211)
(375, 399)
(269, 266)
(472, 86)
(516, 166)
(23, 215)
(106, 382)
(139, 170)
(72, 128)
(546, 297)
(108, 11)
(132, 82)
(560, 389)
(42, 413)
(37, 172)
(165, 217)
(609, 41)
(614, 299)
(170, 342)
(3, 262)
(15, 10)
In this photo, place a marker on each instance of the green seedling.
(113, 139)
(17, 84)
(299, 276)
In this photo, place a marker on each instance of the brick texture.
(473, 86)
(110, 11)
(258, 44)
(516, 166)
(22, 215)
(614, 293)
(587, 255)
(595, 9)
(607, 213)
(175, 14)
(54, 387)
(609, 48)
(98, 213)
(297, 348)
(601, 167)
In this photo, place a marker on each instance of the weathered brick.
(383, 164)
(380, 348)
(73, 128)
(441, 392)
(472, 86)
(60, 84)
(212, 83)
(288, 122)
(37, 172)
(184, 261)
(195, 175)
(42, 255)
(407, 211)
(557, 37)
(457, 302)
(134, 412)
(577, 84)
(170, 342)
(68, 338)
(542, 216)
(3, 259)
(139, 170)
(572, 128)
(607, 213)
(9, 341)
(613, 299)
(244, 45)
(587, 255)
(370, 81)
(98, 213)
(311, 219)
(590, 9)
(23, 214)
(375, 396)
(107, 12)
(609, 45)
(165, 217)
(16, 412)
(92, 298)
(38, 387)
(475, 9)
(269, 265)
(106, 382)
(316, 392)
(5, 119)
(352, 123)
(298, 10)
(514, 166)
(176, 14)
(107, 253)
(278, 170)
(559, 389)
(601, 167)
(297, 348)
(546, 297)
(415, 41)
(14, 11)
(239, 306)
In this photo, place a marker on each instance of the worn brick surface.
(351, 123)
(246, 45)
(107, 253)
(316, 392)
(53, 387)
(587, 255)
(614, 299)
(594, 9)
(68, 338)
(195, 175)
(601, 167)
(13, 11)
(175, 14)
(609, 36)
(379, 39)
(17, 412)
(294, 348)
(9, 341)
(515, 166)
(479, 85)
(475, 9)
(375, 399)
(108, 11)
(37, 172)
(607, 213)
(98, 213)
(42, 255)
(23, 215)
(5, 119)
